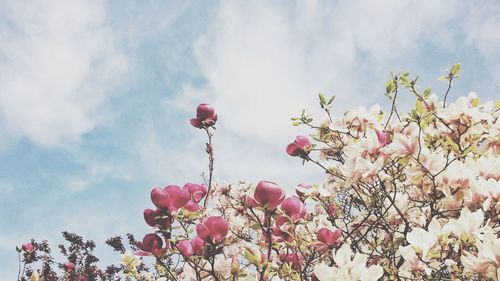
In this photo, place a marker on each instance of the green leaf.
(390, 87)
(426, 92)
(331, 99)
(296, 123)
(455, 69)
(322, 99)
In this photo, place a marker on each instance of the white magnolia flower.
(467, 224)
(348, 268)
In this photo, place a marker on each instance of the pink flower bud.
(197, 191)
(382, 138)
(28, 248)
(205, 116)
(213, 228)
(293, 259)
(185, 248)
(153, 244)
(171, 197)
(268, 194)
(69, 266)
(327, 236)
(293, 208)
(198, 245)
(300, 147)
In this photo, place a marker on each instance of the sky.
(95, 96)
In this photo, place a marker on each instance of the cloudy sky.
(95, 96)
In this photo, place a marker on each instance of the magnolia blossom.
(28, 248)
(171, 197)
(130, 262)
(300, 147)
(487, 260)
(267, 194)
(467, 224)
(293, 208)
(213, 229)
(348, 268)
(205, 116)
(152, 243)
(327, 236)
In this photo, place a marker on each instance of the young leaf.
(322, 99)
(455, 69)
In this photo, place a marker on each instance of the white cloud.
(264, 62)
(57, 61)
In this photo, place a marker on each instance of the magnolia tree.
(407, 196)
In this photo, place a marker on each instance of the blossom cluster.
(407, 196)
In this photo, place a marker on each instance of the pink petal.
(293, 149)
(160, 198)
(185, 248)
(303, 142)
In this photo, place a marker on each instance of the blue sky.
(95, 96)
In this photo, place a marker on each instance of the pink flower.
(293, 208)
(293, 259)
(205, 116)
(382, 138)
(185, 248)
(198, 245)
(213, 228)
(171, 197)
(267, 194)
(152, 243)
(154, 218)
(197, 191)
(300, 147)
(328, 237)
(28, 248)
(69, 266)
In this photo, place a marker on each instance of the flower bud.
(28, 248)
(293, 208)
(205, 116)
(268, 194)
(327, 236)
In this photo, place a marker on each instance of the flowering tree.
(407, 196)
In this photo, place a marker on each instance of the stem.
(210, 152)
(19, 267)
(393, 107)
(447, 90)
